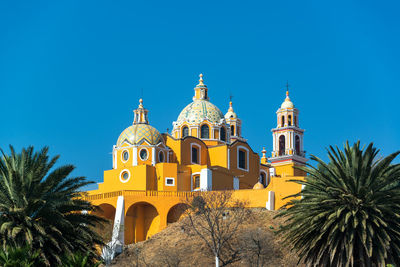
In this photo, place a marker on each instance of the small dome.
(198, 111)
(137, 133)
(258, 185)
(287, 103)
(230, 114)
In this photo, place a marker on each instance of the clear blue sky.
(71, 72)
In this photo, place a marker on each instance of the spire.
(140, 114)
(201, 90)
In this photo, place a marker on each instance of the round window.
(125, 155)
(124, 176)
(161, 156)
(143, 154)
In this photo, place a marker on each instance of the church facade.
(152, 172)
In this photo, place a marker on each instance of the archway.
(107, 212)
(297, 142)
(176, 212)
(282, 145)
(141, 221)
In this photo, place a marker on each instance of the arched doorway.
(297, 142)
(176, 212)
(141, 221)
(106, 211)
(282, 145)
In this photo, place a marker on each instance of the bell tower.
(287, 140)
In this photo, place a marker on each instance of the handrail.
(147, 193)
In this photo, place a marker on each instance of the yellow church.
(154, 173)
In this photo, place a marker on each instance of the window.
(297, 145)
(195, 155)
(169, 181)
(205, 132)
(160, 156)
(283, 121)
(223, 134)
(196, 181)
(295, 121)
(242, 159)
(232, 130)
(125, 155)
(143, 154)
(124, 176)
(282, 145)
(185, 131)
(263, 178)
(290, 120)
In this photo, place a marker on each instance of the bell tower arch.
(288, 147)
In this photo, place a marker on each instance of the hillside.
(174, 245)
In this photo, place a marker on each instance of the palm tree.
(19, 257)
(42, 208)
(348, 213)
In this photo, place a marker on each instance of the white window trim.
(161, 152)
(247, 158)
(120, 176)
(143, 148)
(191, 181)
(122, 155)
(199, 155)
(173, 181)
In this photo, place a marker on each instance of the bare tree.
(215, 217)
(168, 256)
(257, 246)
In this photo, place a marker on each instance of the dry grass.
(173, 245)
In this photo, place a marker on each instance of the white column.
(114, 158)
(153, 156)
(273, 142)
(235, 183)
(270, 205)
(229, 159)
(205, 180)
(134, 156)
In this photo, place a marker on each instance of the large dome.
(137, 133)
(198, 111)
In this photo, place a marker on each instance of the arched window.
(185, 131)
(232, 130)
(297, 145)
(281, 145)
(283, 121)
(290, 120)
(205, 131)
(263, 178)
(295, 121)
(222, 133)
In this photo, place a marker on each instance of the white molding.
(153, 156)
(229, 158)
(134, 156)
(120, 176)
(199, 156)
(247, 158)
(173, 181)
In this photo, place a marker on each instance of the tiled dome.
(137, 133)
(198, 111)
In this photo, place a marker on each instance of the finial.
(140, 103)
(230, 104)
(287, 88)
(201, 79)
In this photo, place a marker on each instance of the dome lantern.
(140, 114)
(201, 90)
